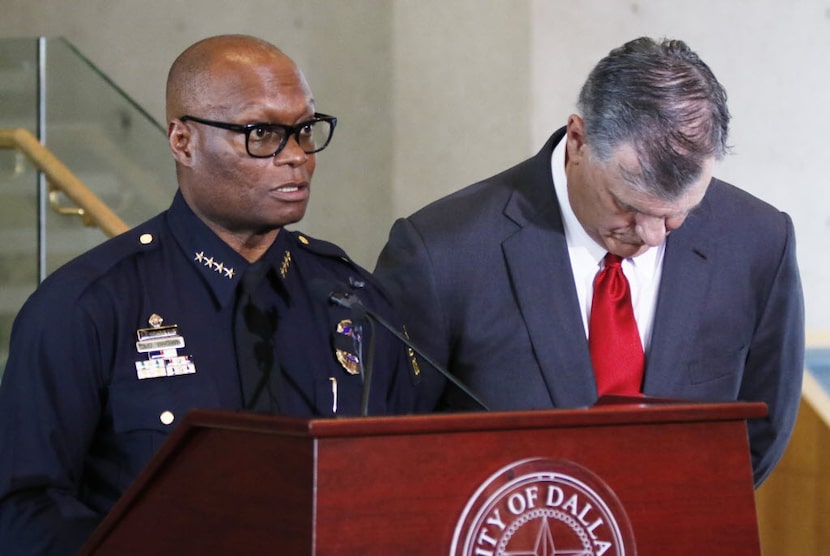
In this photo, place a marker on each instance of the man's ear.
(179, 138)
(576, 138)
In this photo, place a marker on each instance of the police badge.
(346, 341)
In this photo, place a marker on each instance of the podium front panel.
(682, 489)
(637, 480)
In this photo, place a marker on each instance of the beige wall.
(434, 94)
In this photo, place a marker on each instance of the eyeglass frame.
(290, 130)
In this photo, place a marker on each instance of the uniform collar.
(219, 265)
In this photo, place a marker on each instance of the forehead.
(622, 171)
(243, 81)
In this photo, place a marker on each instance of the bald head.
(200, 76)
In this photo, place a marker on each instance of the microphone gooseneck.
(332, 293)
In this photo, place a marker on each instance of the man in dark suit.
(497, 280)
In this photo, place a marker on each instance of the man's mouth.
(295, 191)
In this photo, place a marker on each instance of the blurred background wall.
(435, 94)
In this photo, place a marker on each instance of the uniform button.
(146, 239)
(303, 240)
(167, 417)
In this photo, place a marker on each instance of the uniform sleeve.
(775, 363)
(49, 407)
(405, 270)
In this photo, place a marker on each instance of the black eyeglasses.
(264, 140)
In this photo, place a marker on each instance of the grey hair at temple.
(661, 98)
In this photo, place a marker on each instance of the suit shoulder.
(729, 197)
(529, 182)
(738, 209)
(739, 225)
(489, 192)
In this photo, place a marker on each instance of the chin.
(288, 219)
(625, 250)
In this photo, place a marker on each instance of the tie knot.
(612, 260)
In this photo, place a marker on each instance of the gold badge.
(344, 344)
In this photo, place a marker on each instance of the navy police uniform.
(114, 348)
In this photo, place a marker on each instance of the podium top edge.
(613, 413)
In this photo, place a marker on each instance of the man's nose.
(292, 153)
(651, 229)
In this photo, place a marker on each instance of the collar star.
(216, 266)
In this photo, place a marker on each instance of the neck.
(251, 246)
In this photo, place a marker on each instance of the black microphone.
(347, 300)
(338, 295)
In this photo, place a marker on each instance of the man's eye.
(307, 129)
(625, 208)
(262, 133)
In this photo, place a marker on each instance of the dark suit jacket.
(484, 279)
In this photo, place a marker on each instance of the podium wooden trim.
(233, 483)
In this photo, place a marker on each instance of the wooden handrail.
(92, 209)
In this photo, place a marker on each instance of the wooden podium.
(617, 479)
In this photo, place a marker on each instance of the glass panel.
(111, 144)
(93, 128)
(18, 185)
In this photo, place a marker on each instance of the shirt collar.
(577, 238)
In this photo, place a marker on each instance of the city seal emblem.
(543, 507)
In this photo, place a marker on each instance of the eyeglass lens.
(265, 140)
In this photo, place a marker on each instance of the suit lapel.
(687, 272)
(539, 266)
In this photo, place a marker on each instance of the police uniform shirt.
(114, 348)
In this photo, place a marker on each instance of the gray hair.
(663, 100)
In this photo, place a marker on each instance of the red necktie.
(613, 338)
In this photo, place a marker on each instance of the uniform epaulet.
(136, 240)
(87, 268)
(318, 246)
(331, 251)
